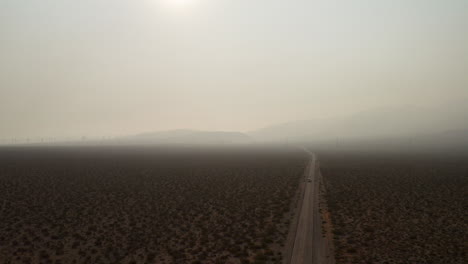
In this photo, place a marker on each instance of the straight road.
(309, 245)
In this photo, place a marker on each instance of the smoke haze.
(110, 68)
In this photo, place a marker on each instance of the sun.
(178, 3)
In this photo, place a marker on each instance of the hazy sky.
(112, 67)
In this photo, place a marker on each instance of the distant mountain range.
(386, 128)
(397, 127)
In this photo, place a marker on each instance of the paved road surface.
(309, 245)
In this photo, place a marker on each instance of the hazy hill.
(452, 139)
(375, 124)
